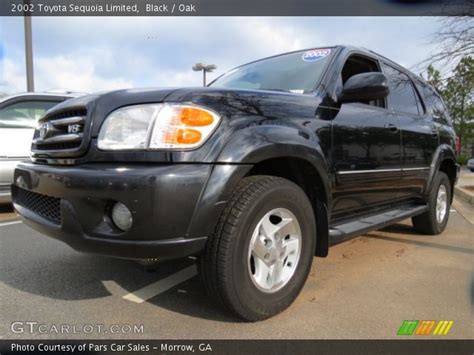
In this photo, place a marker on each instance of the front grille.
(60, 132)
(46, 206)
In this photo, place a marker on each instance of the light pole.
(30, 83)
(205, 69)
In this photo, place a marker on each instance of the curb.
(464, 195)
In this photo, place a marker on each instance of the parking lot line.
(154, 289)
(10, 223)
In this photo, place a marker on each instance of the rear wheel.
(434, 220)
(260, 255)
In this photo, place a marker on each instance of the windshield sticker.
(315, 54)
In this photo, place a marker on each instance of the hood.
(238, 102)
(15, 142)
(226, 101)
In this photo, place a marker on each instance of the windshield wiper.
(272, 89)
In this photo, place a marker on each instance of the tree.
(455, 39)
(434, 78)
(458, 94)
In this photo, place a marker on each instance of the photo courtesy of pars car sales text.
(243, 177)
(110, 347)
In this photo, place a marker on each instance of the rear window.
(434, 103)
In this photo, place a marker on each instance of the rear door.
(438, 114)
(419, 134)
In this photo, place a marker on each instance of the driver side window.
(357, 64)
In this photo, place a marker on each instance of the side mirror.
(365, 87)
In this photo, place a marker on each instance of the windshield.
(24, 114)
(297, 72)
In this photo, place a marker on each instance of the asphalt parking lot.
(366, 288)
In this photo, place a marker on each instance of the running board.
(344, 231)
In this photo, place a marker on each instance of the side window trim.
(385, 100)
(419, 98)
(422, 89)
(388, 98)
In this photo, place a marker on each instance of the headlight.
(157, 126)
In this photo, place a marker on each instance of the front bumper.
(5, 194)
(72, 204)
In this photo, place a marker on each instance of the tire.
(428, 222)
(231, 269)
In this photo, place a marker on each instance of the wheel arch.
(267, 150)
(290, 152)
(444, 160)
(283, 150)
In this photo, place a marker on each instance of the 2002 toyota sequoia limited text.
(254, 174)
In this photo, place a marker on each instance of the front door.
(366, 156)
(366, 150)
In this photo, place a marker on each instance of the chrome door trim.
(347, 172)
(416, 169)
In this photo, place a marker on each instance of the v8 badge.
(74, 128)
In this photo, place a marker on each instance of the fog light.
(122, 216)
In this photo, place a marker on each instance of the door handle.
(391, 127)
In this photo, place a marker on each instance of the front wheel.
(434, 220)
(259, 257)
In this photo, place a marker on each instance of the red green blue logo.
(425, 327)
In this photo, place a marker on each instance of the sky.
(104, 53)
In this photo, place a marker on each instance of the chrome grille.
(60, 133)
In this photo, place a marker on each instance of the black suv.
(254, 174)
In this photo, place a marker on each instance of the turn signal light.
(182, 126)
(188, 136)
(192, 116)
(182, 136)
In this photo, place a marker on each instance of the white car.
(470, 164)
(18, 117)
